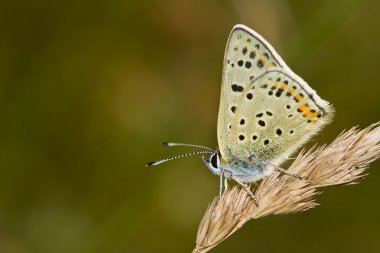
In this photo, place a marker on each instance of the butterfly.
(266, 112)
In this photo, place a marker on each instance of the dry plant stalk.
(340, 163)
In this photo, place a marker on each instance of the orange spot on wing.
(298, 98)
(263, 59)
(303, 108)
(316, 116)
(282, 87)
(307, 112)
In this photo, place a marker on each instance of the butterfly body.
(244, 171)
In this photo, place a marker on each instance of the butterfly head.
(214, 162)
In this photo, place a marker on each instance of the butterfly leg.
(225, 183)
(221, 183)
(290, 158)
(248, 191)
(286, 172)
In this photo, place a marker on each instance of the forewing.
(246, 57)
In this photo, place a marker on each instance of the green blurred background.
(88, 90)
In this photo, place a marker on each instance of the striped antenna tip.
(150, 164)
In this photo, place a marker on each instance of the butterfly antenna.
(176, 157)
(173, 144)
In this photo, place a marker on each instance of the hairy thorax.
(246, 171)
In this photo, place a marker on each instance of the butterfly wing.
(266, 110)
(246, 57)
(277, 115)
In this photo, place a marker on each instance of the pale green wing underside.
(266, 111)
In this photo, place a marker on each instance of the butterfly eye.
(214, 161)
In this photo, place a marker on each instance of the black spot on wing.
(261, 123)
(237, 88)
(279, 92)
(260, 64)
(252, 55)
